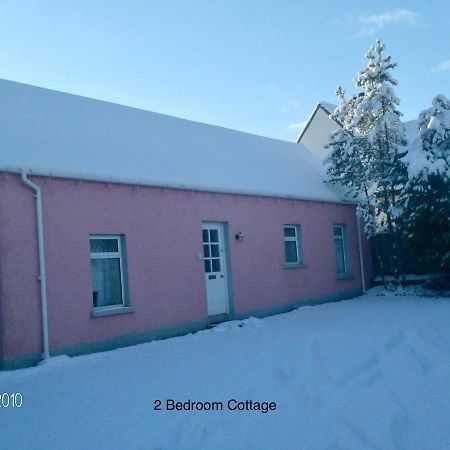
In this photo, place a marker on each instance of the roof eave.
(159, 184)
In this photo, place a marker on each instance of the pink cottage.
(120, 226)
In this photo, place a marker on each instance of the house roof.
(51, 133)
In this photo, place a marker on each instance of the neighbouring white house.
(317, 131)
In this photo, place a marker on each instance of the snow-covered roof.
(56, 134)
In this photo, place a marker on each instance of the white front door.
(215, 258)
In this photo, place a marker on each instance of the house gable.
(317, 132)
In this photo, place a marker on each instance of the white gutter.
(361, 259)
(42, 277)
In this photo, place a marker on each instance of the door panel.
(214, 258)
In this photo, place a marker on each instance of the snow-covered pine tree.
(426, 218)
(366, 152)
(347, 158)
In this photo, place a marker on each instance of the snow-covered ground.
(368, 373)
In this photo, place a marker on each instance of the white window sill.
(345, 276)
(294, 265)
(111, 310)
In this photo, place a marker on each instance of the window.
(292, 245)
(340, 245)
(211, 255)
(107, 268)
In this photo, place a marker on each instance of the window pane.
(205, 236)
(289, 231)
(214, 235)
(215, 265)
(337, 230)
(340, 261)
(206, 251)
(106, 285)
(215, 250)
(104, 245)
(207, 265)
(290, 249)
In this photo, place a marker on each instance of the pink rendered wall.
(163, 236)
(20, 324)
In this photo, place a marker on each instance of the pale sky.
(257, 66)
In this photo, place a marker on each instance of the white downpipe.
(361, 259)
(42, 277)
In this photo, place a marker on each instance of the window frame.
(342, 238)
(209, 260)
(120, 255)
(298, 245)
